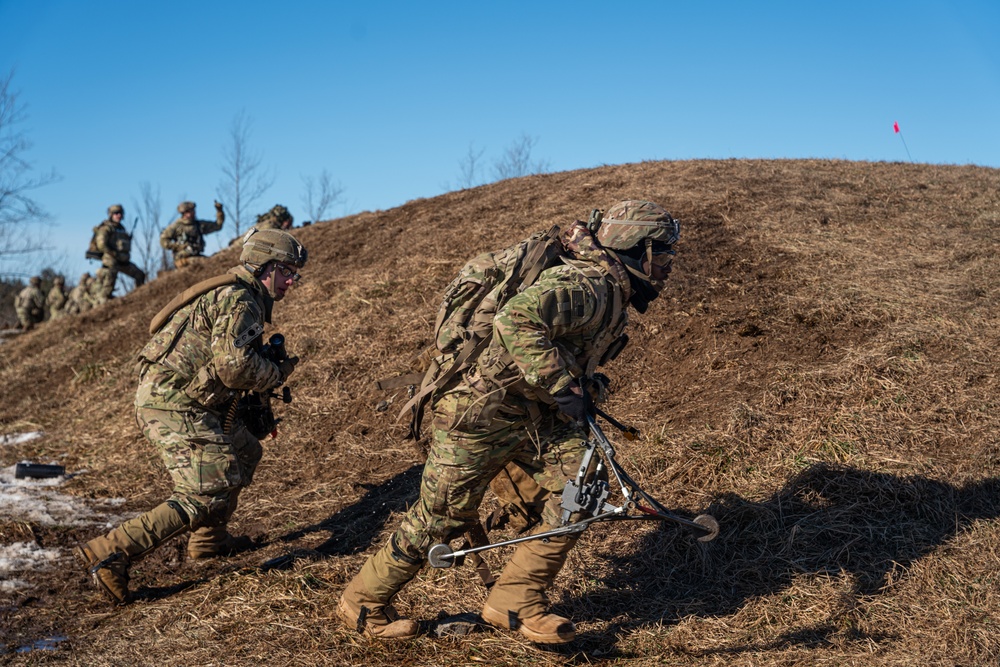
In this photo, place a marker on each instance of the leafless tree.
(470, 168)
(146, 250)
(516, 160)
(244, 180)
(20, 215)
(320, 195)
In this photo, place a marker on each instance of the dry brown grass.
(820, 375)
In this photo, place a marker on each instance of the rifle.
(254, 409)
(591, 497)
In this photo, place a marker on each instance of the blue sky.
(389, 96)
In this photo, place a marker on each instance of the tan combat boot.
(107, 558)
(214, 541)
(365, 607)
(517, 600)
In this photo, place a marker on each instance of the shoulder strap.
(523, 275)
(189, 295)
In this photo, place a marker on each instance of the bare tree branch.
(320, 195)
(470, 168)
(244, 181)
(152, 258)
(516, 160)
(20, 214)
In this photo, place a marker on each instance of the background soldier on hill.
(30, 304)
(185, 237)
(114, 245)
(276, 218)
(56, 300)
(195, 376)
(521, 404)
(79, 300)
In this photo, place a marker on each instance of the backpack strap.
(524, 274)
(189, 295)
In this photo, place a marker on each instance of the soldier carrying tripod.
(507, 394)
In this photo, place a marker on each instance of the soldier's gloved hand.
(572, 403)
(218, 206)
(286, 367)
(597, 387)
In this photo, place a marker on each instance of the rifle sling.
(189, 295)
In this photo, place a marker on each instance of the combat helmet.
(59, 280)
(261, 246)
(35, 281)
(629, 223)
(280, 214)
(636, 230)
(185, 206)
(115, 208)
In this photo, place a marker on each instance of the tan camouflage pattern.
(628, 223)
(274, 219)
(206, 465)
(193, 361)
(464, 457)
(186, 238)
(56, 301)
(29, 305)
(553, 331)
(115, 245)
(79, 300)
(500, 410)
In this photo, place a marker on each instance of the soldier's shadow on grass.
(353, 528)
(868, 526)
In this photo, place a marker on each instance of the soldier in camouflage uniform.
(185, 237)
(522, 403)
(79, 300)
(205, 354)
(56, 299)
(115, 245)
(30, 304)
(277, 218)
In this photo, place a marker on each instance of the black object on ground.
(38, 470)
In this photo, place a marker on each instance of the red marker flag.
(895, 126)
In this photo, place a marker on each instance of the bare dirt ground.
(820, 374)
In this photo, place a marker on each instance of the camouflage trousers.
(29, 318)
(467, 454)
(107, 275)
(205, 464)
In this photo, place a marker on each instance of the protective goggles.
(286, 272)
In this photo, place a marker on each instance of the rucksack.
(464, 325)
(93, 252)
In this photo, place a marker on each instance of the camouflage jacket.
(30, 300)
(209, 350)
(56, 299)
(560, 327)
(114, 243)
(79, 300)
(186, 238)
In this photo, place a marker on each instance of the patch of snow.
(35, 500)
(19, 438)
(21, 556)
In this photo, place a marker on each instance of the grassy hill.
(820, 374)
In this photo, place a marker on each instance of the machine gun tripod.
(588, 493)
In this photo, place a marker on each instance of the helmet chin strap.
(644, 288)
